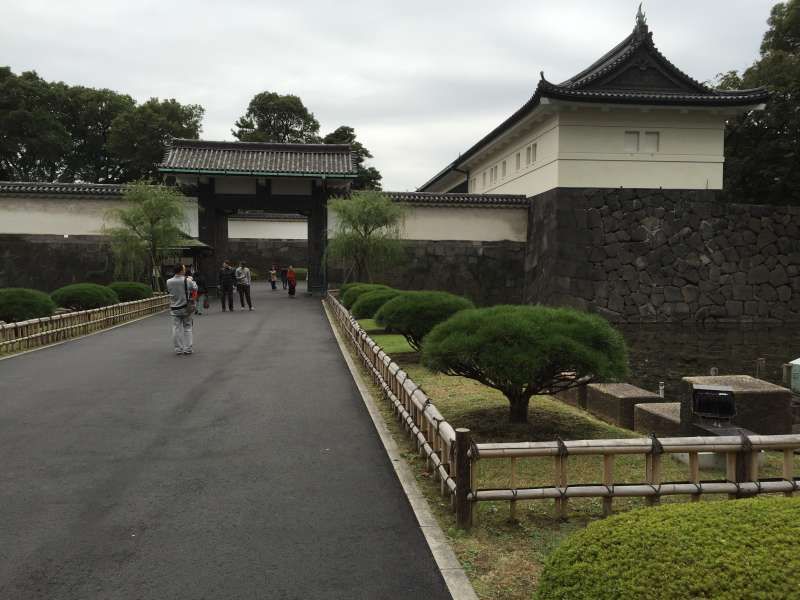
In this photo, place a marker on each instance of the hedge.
(128, 291)
(21, 304)
(725, 549)
(368, 304)
(414, 314)
(82, 296)
(351, 295)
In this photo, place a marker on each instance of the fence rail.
(25, 335)
(453, 457)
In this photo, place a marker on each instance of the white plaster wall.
(267, 230)
(234, 185)
(466, 224)
(292, 186)
(592, 153)
(68, 216)
(532, 179)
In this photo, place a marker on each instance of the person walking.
(180, 289)
(284, 280)
(291, 279)
(202, 293)
(273, 277)
(243, 280)
(227, 279)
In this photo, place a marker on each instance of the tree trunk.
(519, 410)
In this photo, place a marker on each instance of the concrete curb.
(454, 577)
(80, 337)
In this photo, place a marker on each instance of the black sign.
(713, 402)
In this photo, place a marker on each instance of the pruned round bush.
(351, 295)
(128, 291)
(346, 286)
(526, 350)
(82, 296)
(368, 304)
(741, 549)
(414, 314)
(21, 304)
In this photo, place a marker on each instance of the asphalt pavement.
(250, 469)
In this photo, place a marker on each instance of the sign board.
(713, 401)
(794, 382)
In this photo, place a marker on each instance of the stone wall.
(261, 254)
(47, 262)
(664, 256)
(485, 272)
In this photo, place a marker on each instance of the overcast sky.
(420, 81)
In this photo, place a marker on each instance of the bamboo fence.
(25, 335)
(452, 456)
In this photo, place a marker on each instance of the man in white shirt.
(180, 289)
(243, 284)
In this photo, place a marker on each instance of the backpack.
(191, 302)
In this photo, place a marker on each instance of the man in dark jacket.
(227, 279)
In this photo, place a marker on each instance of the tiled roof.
(12, 188)
(633, 72)
(255, 158)
(464, 200)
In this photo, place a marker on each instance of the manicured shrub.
(526, 350)
(351, 295)
(414, 314)
(21, 304)
(127, 291)
(368, 304)
(731, 549)
(346, 286)
(82, 296)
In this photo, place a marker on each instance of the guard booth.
(227, 177)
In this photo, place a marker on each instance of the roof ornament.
(641, 22)
(541, 75)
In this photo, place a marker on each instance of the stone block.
(663, 418)
(614, 402)
(761, 407)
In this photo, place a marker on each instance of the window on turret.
(533, 153)
(651, 142)
(631, 141)
(528, 156)
(519, 161)
(484, 180)
(504, 169)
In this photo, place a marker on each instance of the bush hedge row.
(368, 303)
(20, 304)
(128, 291)
(350, 296)
(732, 549)
(83, 296)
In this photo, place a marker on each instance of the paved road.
(248, 470)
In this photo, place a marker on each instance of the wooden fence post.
(463, 478)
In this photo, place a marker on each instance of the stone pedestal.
(761, 407)
(614, 402)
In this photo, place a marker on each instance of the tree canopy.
(369, 178)
(366, 232)
(282, 119)
(762, 148)
(52, 131)
(146, 230)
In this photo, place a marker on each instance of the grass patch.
(503, 557)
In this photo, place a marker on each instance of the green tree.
(139, 137)
(146, 230)
(526, 350)
(366, 233)
(762, 148)
(277, 118)
(33, 140)
(369, 178)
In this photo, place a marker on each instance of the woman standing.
(273, 277)
(291, 278)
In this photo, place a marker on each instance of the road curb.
(453, 574)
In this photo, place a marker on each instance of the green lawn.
(503, 557)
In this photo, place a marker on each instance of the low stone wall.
(261, 254)
(612, 402)
(485, 272)
(47, 262)
(664, 255)
(662, 419)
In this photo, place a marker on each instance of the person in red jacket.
(291, 277)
